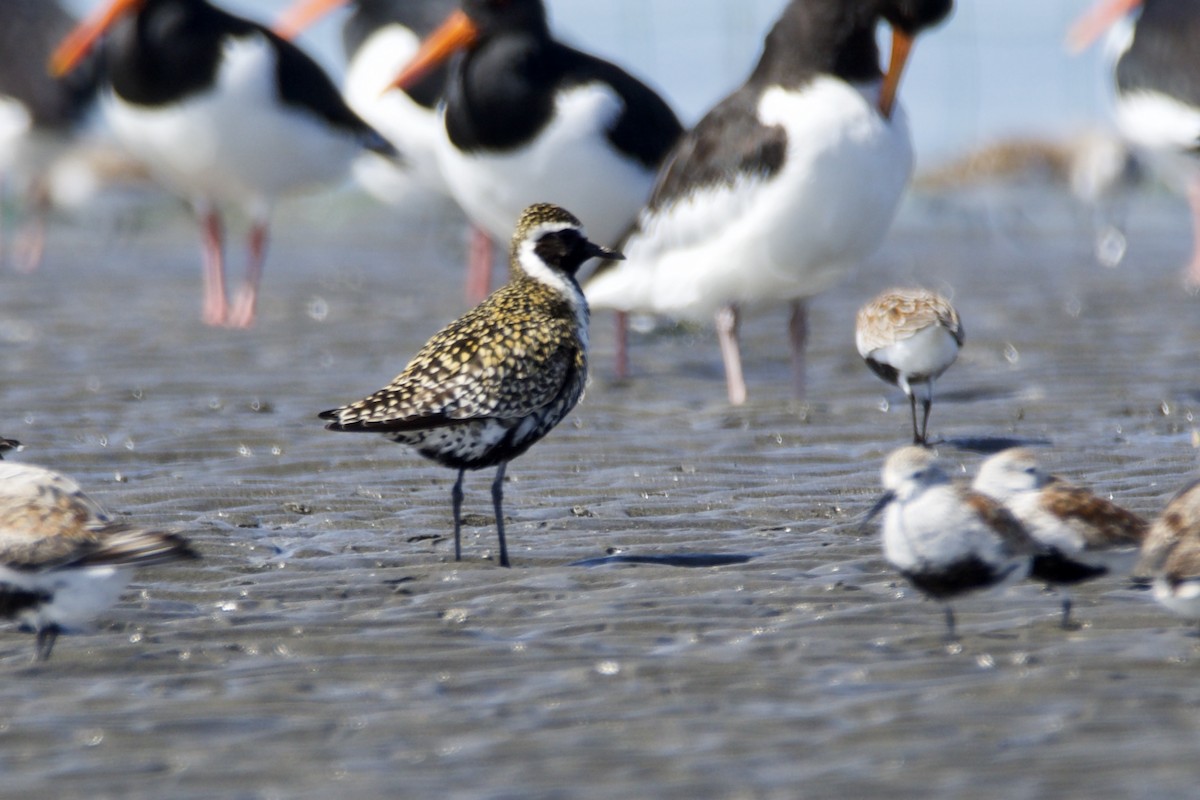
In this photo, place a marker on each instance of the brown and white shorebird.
(947, 539)
(63, 559)
(1082, 536)
(498, 379)
(1170, 556)
(909, 337)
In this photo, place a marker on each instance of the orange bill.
(80, 41)
(456, 33)
(901, 46)
(1096, 21)
(302, 14)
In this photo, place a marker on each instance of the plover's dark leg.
(1066, 612)
(498, 503)
(731, 354)
(798, 337)
(951, 628)
(44, 642)
(456, 498)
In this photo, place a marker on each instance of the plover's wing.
(467, 372)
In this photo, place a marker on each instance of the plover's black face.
(549, 237)
(565, 250)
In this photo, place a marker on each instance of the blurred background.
(997, 69)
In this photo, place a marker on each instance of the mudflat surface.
(328, 644)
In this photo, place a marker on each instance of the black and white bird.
(63, 559)
(527, 119)
(946, 539)
(379, 38)
(498, 379)
(909, 337)
(784, 185)
(224, 112)
(1157, 80)
(1080, 535)
(39, 116)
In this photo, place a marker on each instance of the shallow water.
(328, 643)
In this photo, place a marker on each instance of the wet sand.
(328, 643)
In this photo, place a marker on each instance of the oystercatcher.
(379, 38)
(224, 112)
(1158, 90)
(784, 185)
(527, 119)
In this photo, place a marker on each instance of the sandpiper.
(498, 379)
(1081, 536)
(63, 559)
(1170, 555)
(1157, 77)
(224, 112)
(909, 337)
(946, 539)
(781, 187)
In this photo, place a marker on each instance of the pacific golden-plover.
(496, 380)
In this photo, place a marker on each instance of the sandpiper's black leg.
(498, 502)
(926, 403)
(456, 498)
(912, 404)
(44, 642)
(951, 628)
(1066, 613)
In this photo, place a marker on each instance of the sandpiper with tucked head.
(63, 559)
(946, 539)
(499, 378)
(1081, 536)
(909, 337)
(1170, 555)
